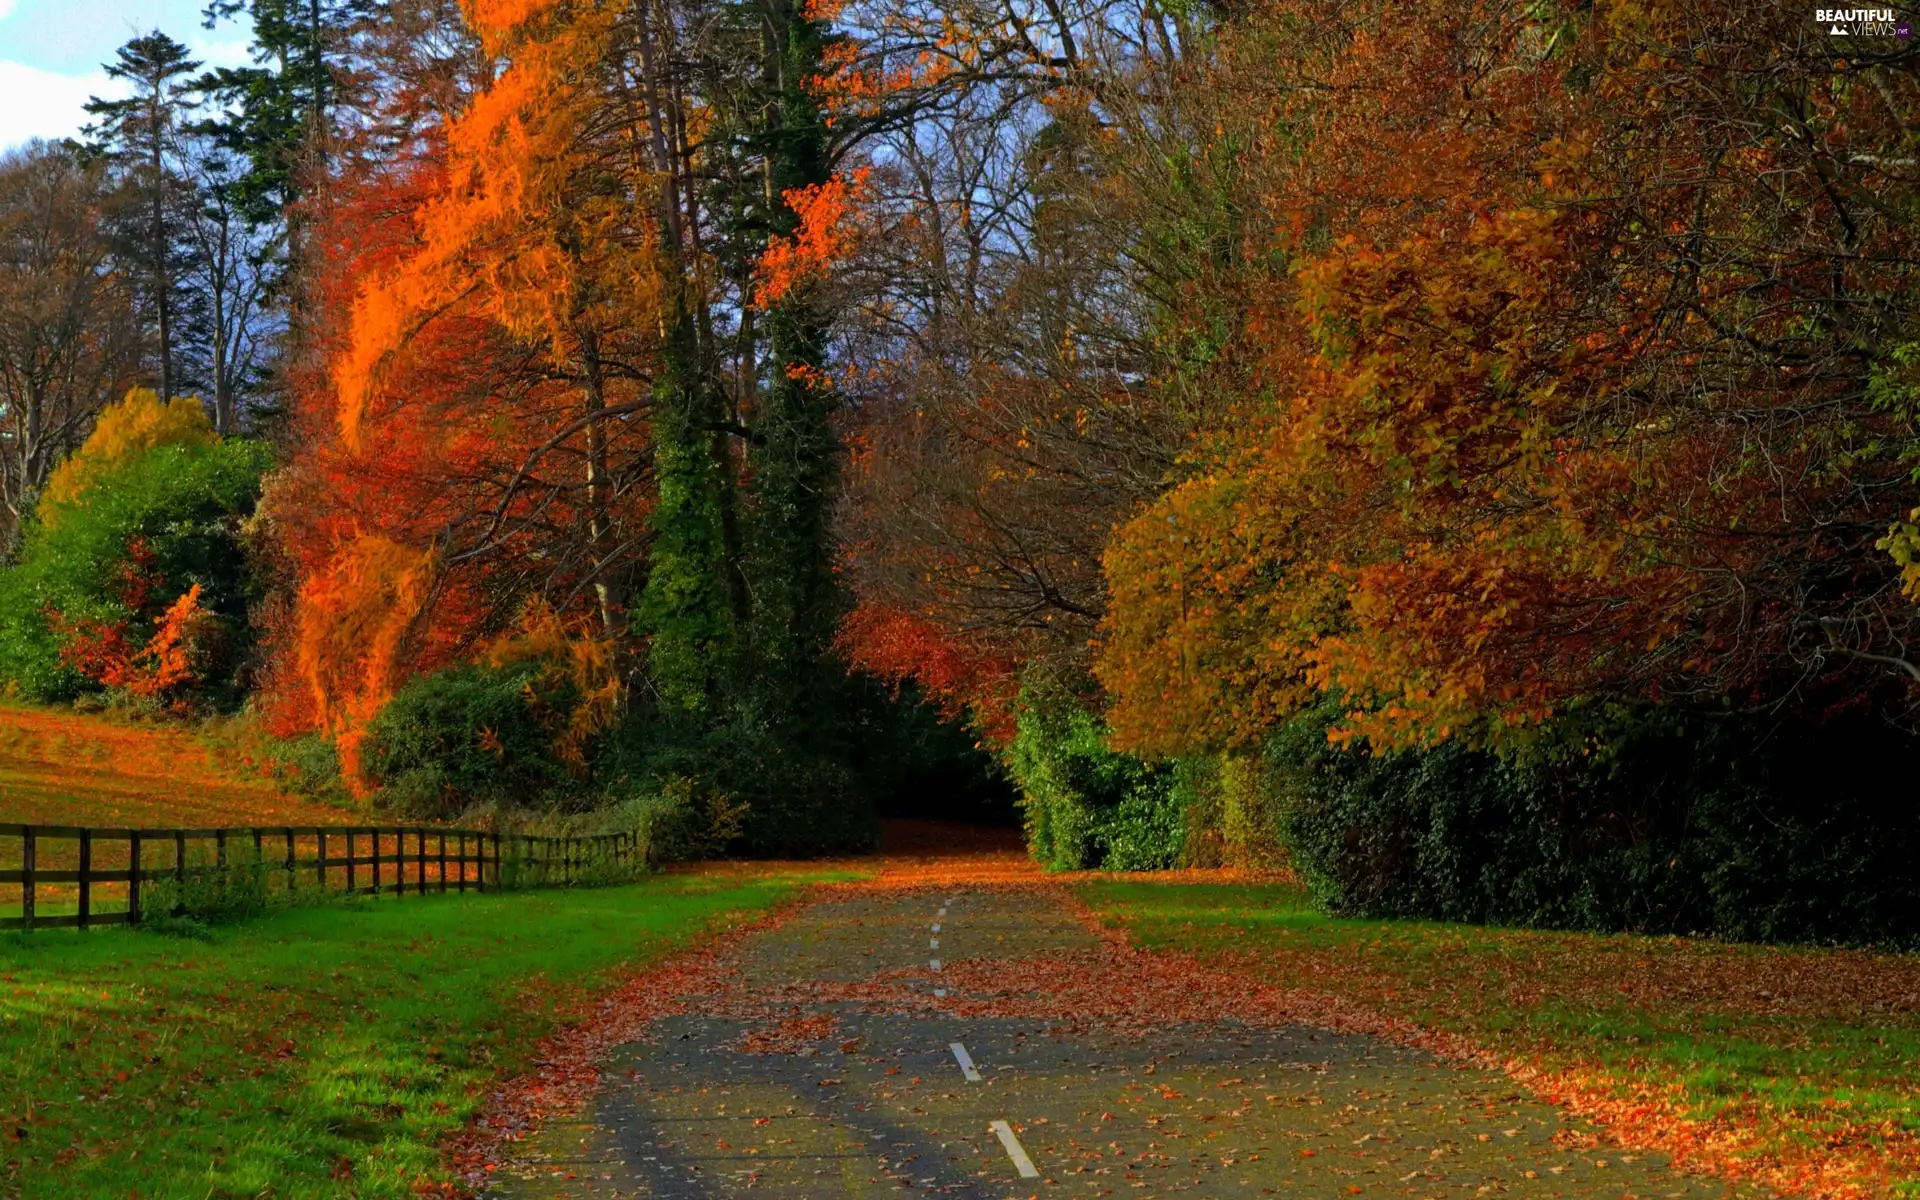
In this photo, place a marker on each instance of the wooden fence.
(79, 877)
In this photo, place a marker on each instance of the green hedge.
(1085, 805)
(737, 780)
(462, 737)
(1751, 827)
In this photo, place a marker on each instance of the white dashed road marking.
(1015, 1151)
(934, 963)
(966, 1063)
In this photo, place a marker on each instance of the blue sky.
(51, 51)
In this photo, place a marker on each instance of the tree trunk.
(162, 286)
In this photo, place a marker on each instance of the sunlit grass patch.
(288, 1055)
(58, 767)
(1801, 1065)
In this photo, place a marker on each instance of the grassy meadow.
(59, 767)
(318, 1052)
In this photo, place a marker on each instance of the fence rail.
(78, 867)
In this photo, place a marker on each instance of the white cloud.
(46, 104)
(217, 52)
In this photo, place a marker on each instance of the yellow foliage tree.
(138, 423)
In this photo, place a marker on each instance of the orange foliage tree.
(486, 320)
(1567, 394)
(170, 661)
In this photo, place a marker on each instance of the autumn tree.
(1578, 389)
(69, 338)
(1024, 322)
(487, 324)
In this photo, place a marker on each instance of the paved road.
(826, 1067)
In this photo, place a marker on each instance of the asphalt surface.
(827, 1067)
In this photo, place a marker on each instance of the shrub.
(792, 783)
(684, 821)
(1086, 805)
(307, 763)
(1743, 826)
(741, 779)
(98, 594)
(461, 737)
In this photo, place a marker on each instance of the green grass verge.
(1814, 1054)
(316, 1052)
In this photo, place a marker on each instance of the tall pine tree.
(140, 133)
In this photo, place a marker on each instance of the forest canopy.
(1387, 437)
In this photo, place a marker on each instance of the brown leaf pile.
(1848, 1161)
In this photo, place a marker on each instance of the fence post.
(220, 849)
(461, 854)
(320, 859)
(133, 876)
(86, 877)
(443, 862)
(376, 862)
(291, 881)
(26, 878)
(350, 857)
(422, 835)
(180, 871)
